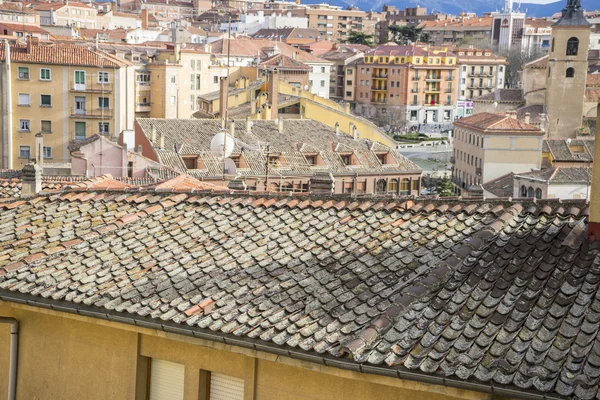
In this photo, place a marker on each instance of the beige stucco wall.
(67, 356)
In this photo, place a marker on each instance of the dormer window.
(239, 161)
(313, 159)
(193, 162)
(383, 158)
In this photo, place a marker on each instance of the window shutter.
(166, 380)
(224, 387)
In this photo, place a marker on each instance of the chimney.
(337, 129)
(280, 125)
(594, 218)
(174, 32)
(248, 125)
(350, 128)
(153, 134)
(274, 93)
(162, 141)
(224, 95)
(39, 150)
(31, 41)
(232, 129)
(347, 108)
(145, 19)
(32, 179)
(355, 134)
(527, 117)
(322, 183)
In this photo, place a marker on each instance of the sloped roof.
(503, 95)
(193, 137)
(501, 186)
(561, 149)
(490, 123)
(14, 7)
(61, 55)
(561, 175)
(23, 27)
(56, 5)
(493, 293)
(252, 47)
(541, 62)
(284, 63)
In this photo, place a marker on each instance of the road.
(431, 159)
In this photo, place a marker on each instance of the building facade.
(65, 92)
(488, 146)
(421, 81)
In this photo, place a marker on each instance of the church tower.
(566, 71)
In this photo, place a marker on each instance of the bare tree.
(391, 118)
(517, 57)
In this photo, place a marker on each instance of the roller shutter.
(166, 380)
(225, 387)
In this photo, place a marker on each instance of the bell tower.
(566, 71)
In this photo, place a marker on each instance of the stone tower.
(566, 71)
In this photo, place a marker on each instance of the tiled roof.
(462, 24)
(193, 137)
(561, 149)
(592, 94)
(61, 55)
(502, 294)
(593, 80)
(288, 33)
(498, 124)
(23, 28)
(501, 187)
(561, 175)
(56, 5)
(252, 47)
(534, 111)
(10, 7)
(541, 62)
(538, 23)
(284, 63)
(503, 95)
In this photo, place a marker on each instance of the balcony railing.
(100, 113)
(433, 78)
(91, 87)
(416, 78)
(382, 76)
(449, 78)
(433, 90)
(414, 90)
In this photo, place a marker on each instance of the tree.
(445, 188)
(360, 38)
(516, 58)
(404, 34)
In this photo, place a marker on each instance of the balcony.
(432, 104)
(99, 113)
(433, 78)
(416, 78)
(433, 90)
(379, 76)
(449, 78)
(414, 90)
(90, 87)
(381, 88)
(452, 160)
(142, 107)
(448, 90)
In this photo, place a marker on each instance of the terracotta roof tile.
(497, 124)
(457, 291)
(61, 55)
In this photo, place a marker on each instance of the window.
(45, 100)
(538, 193)
(143, 79)
(24, 73)
(24, 151)
(523, 191)
(173, 79)
(216, 79)
(103, 128)
(225, 387)
(79, 78)
(102, 77)
(172, 100)
(349, 72)
(47, 152)
(572, 46)
(393, 186)
(24, 125)
(45, 74)
(46, 126)
(322, 83)
(103, 103)
(311, 160)
(24, 99)
(166, 380)
(322, 70)
(346, 159)
(80, 130)
(348, 94)
(570, 72)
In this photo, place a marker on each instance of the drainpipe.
(14, 349)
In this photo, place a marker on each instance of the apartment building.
(73, 13)
(341, 57)
(65, 92)
(336, 24)
(454, 31)
(480, 72)
(411, 16)
(488, 146)
(422, 80)
(17, 13)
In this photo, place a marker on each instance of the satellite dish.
(230, 168)
(222, 145)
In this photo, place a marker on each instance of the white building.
(537, 36)
(250, 24)
(319, 76)
(507, 27)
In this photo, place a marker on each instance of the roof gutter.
(346, 364)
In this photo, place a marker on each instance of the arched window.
(572, 46)
(552, 45)
(404, 186)
(570, 72)
(530, 192)
(523, 191)
(538, 193)
(393, 186)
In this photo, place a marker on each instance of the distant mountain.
(457, 6)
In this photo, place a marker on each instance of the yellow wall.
(63, 104)
(329, 113)
(67, 356)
